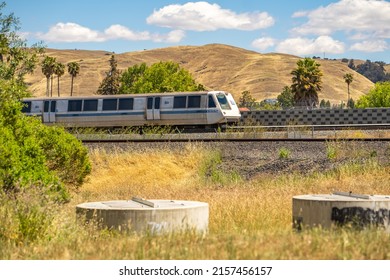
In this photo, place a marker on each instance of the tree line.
(306, 85)
(50, 67)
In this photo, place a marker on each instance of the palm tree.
(59, 70)
(73, 70)
(348, 78)
(48, 64)
(306, 82)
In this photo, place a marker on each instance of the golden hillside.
(217, 67)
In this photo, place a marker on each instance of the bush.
(34, 154)
(284, 153)
(379, 96)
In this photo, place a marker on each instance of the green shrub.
(284, 153)
(34, 154)
(332, 152)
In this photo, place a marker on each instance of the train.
(205, 109)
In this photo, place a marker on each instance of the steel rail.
(157, 140)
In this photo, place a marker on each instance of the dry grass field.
(249, 219)
(217, 67)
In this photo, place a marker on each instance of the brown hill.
(217, 67)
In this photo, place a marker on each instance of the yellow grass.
(248, 219)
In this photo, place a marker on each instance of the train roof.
(122, 95)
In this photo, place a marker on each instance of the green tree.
(286, 98)
(374, 71)
(379, 96)
(246, 99)
(159, 77)
(48, 65)
(73, 70)
(130, 77)
(15, 60)
(348, 78)
(31, 154)
(59, 70)
(306, 83)
(351, 103)
(111, 83)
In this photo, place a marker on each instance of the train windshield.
(222, 100)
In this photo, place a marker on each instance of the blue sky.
(357, 29)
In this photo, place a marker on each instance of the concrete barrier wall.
(317, 117)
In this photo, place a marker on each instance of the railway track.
(223, 139)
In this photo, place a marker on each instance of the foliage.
(246, 99)
(284, 153)
(306, 82)
(374, 71)
(111, 83)
(351, 103)
(379, 96)
(268, 104)
(27, 152)
(348, 78)
(159, 77)
(286, 98)
(59, 70)
(48, 66)
(325, 104)
(15, 60)
(73, 70)
(26, 219)
(254, 212)
(351, 64)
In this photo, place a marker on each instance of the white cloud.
(305, 46)
(370, 46)
(117, 31)
(203, 16)
(174, 36)
(351, 16)
(73, 32)
(263, 43)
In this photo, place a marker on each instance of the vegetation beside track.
(249, 218)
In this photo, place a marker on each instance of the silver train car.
(205, 109)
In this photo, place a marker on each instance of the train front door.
(49, 111)
(153, 108)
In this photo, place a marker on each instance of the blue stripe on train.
(134, 113)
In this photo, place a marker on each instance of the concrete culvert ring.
(141, 216)
(341, 208)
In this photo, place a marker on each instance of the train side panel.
(198, 108)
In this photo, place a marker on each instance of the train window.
(46, 106)
(26, 106)
(223, 102)
(211, 102)
(150, 103)
(90, 105)
(109, 104)
(53, 106)
(194, 101)
(74, 105)
(126, 104)
(179, 101)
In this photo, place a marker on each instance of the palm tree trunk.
(58, 84)
(47, 86)
(71, 87)
(51, 86)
